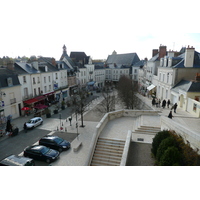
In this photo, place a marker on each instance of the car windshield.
(31, 121)
(58, 140)
(44, 150)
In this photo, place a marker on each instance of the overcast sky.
(97, 27)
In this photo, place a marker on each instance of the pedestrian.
(164, 103)
(168, 103)
(70, 120)
(25, 127)
(153, 101)
(170, 114)
(175, 107)
(159, 102)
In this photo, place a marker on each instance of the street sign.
(1, 103)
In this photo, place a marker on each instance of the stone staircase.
(108, 152)
(145, 134)
(148, 130)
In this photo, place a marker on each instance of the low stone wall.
(188, 135)
(126, 149)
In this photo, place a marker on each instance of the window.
(44, 79)
(35, 93)
(45, 89)
(135, 71)
(163, 77)
(50, 87)
(34, 80)
(24, 79)
(49, 79)
(167, 77)
(38, 80)
(56, 75)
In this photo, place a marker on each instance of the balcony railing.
(12, 101)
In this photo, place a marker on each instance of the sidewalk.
(181, 116)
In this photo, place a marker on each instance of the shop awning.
(40, 98)
(91, 83)
(151, 87)
(50, 93)
(30, 101)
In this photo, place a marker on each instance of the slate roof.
(79, 56)
(187, 86)
(64, 55)
(139, 64)
(182, 59)
(6, 73)
(155, 58)
(24, 68)
(128, 59)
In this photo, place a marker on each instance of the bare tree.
(79, 102)
(108, 102)
(127, 90)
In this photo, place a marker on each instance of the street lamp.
(2, 94)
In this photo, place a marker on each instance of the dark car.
(14, 160)
(40, 152)
(55, 142)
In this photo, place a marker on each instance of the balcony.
(12, 101)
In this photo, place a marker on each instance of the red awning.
(50, 93)
(30, 101)
(40, 98)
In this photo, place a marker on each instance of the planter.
(63, 107)
(55, 111)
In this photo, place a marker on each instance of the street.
(15, 145)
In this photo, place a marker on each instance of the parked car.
(55, 142)
(40, 152)
(14, 160)
(36, 121)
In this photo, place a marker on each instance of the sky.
(97, 27)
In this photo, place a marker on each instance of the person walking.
(175, 107)
(159, 102)
(170, 114)
(164, 103)
(25, 127)
(153, 101)
(168, 103)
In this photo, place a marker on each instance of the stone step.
(110, 147)
(107, 156)
(104, 161)
(146, 131)
(111, 141)
(110, 152)
(150, 127)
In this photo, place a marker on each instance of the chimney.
(10, 65)
(171, 53)
(35, 65)
(189, 56)
(162, 51)
(53, 61)
(154, 52)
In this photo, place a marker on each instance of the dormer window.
(10, 82)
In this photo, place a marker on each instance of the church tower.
(64, 49)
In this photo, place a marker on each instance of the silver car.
(36, 121)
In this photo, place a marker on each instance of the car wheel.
(41, 123)
(48, 160)
(60, 149)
